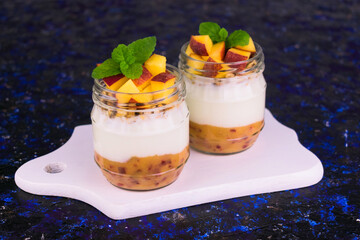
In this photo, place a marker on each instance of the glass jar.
(226, 102)
(141, 146)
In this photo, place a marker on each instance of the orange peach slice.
(144, 80)
(189, 50)
(145, 97)
(236, 55)
(218, 51)
(211, 70)
(196, 64)
(201, 44)
(223, 72)
(115, 82)
(156, 64)
(250, 47)
(160, 82)
(128, 87)
(205, 58)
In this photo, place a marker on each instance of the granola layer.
(143, 173)
(220, 140)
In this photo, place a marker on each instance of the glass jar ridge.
(226, 102)
(141, 145)
(109, 100)
(228, 70)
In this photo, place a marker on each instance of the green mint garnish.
(132, 71)
(122, 54)
(237, 38)
(218, 34)
(143, 48)
(108, 68)
(215, 32)
(127, 60)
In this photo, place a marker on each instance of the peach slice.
(189, 50)
(218, 51)
(115, 82)
(222, 73)
(201, 44)
(211, 70)
(148, 89)
(156, 64)
(144, 80)
(196, 64)
(132, 100)
(128, 87)
(162, 81)
(145, 97)
(250, 47)
(205, 58)
(236, 55)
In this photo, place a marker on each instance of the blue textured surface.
(47, 52)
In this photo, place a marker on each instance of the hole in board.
(55, 167)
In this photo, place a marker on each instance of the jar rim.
(109, 99)
(258, 54)
(172, 69)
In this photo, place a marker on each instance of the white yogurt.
(119, 139)
(228, 105)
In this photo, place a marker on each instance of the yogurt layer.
(228, 105)
(119, 139)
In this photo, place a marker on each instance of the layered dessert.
(225, 89)
(140, 119)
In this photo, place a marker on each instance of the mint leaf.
(124, 66)
(127, 60)
(143, 48)
(214, 31)
(223, 33)
(123, 53)
(108, 68)
(209, 28)
(125, 57)
(237, 38)
(132, 71)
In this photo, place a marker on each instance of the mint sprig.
(127, 60)
(143, 48)
(122, 54)
(237, 38)
(215, 32)
(108, 68)
(218, 34)
(132, 71)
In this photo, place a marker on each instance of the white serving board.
(277, 161)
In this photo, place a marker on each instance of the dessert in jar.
(225, 89)
(140, 119)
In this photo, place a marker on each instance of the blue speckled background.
(48, 49)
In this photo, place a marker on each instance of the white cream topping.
(119, 139)
(229, 104)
